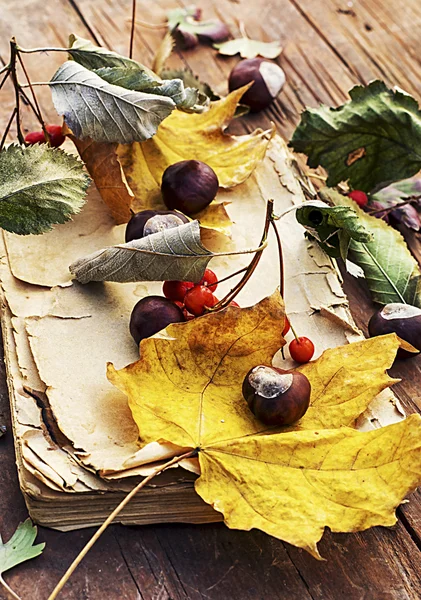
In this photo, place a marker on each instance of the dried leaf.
(185, 136)
(189, 27)
(175, 254)
(333, 227)
(248, 48)
(39, 187)
(289, 483)
(19, 548)
(370, 141)
(163, 53)
(93, 108)
(391, 272)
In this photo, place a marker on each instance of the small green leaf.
(370, 141)
(187, 23)
(19, 548)
(39, 187)
(332, 227)
(248, 48)
(95, 109)
(391, 272)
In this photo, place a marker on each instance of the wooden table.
(329, 45)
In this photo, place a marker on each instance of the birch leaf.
(19, 548)
(391, 272)
(370, 141)
(248, 48)
(104, 112)
(39, 187)
(290, 483)
(171, 254)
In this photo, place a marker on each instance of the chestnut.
(147, 222)
(402, 319)
(275, 396)
(189, 186)
(151, 314)
(268, 78)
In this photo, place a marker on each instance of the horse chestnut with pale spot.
(147, 222)
(189, 186)
(268, 78)
(402, 319)
(151, 314)
(276, 397)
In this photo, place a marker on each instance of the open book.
(77, 445)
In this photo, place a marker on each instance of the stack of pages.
(77, 446)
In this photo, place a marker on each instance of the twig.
(229, 276)
(281, 258)
(36, 109)
(252, 266)
(4, 69)
(6, 131)
(389, 209)
(111, 518)
(132, 28)
(13, 56)
(5, 78)
(32, 50)
(150, 25)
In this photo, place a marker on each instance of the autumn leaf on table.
(187, 25)
(19, 549)
(391, 272)
(184, 136)
(248, 48)
(370, 141)
(39, 187)
(290, 483)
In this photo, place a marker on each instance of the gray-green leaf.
(171, 254)
(248, 48)
(391, 272)
(372, 140)
(39, 187)
(129, 74)
(104, 112)
(20, 546)
(333, 227)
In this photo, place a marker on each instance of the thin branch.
(13, 74)
(388, 209)
(230, 276)
(5, 68)
(132, 28)
(35, 107)
(6, 131)
(150, 25)
(281, 259)
(32, 50)
(111, 518)
(4, 78)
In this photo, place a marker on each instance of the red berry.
(209, 279)
(359, 197)
(56, 135)
(301, 349)
(198, 299)
(176, 290)
(287, 327)
(37, 137)
(234, 303)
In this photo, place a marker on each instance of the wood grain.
(328, 47)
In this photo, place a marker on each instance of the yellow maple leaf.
(128, 176)
(290, 482)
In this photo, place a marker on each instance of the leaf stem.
(281, 258)
(230, 276)
(389, 209)
(132, 28)
(9, 589)
(32, 50)
(13, 74)
(151, 25)
(111, 518)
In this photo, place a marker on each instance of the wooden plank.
(327, 50)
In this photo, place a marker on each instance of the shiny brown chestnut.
(402, 319)
(268, 78)
(189, 186)
(151, 314)
(275, 396)
(147, 222)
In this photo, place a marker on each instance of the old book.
(76, 443)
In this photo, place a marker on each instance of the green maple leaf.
(370, 141)
(19, 549)
(39, 187)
